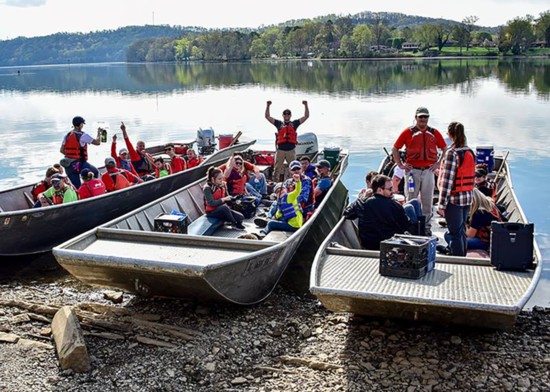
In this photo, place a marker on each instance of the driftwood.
(310, 363)
(36, 308)
(275, 370)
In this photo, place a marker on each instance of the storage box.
(224, 140)
(512, 245)
(332, 154)
(485, 154)
(407, 256)
(170, 223)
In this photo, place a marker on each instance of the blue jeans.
(413, 210)
(74, 169)
(476, 243)
(278, 225)
(456, 224)
(260, 186)
(254, 193)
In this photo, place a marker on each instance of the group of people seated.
(234, 190)
(74, 178)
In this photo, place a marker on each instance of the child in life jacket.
(285, 210)
(115, 178)
(192, 158)
(91, 186)
(162, 169)
(216, 199)
(60, 192)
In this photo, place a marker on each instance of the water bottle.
(103, 136)
(411, 183)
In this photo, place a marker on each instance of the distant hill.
(111, 45)
(100, 46)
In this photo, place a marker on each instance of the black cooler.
(512, 245)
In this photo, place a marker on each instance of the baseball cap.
(84, 173)
(287, 111)
(78, 120)
(110, 160)
(294, 164)
(323, 163)
(277, 186)
(122, 150)
(51, 171)
(422, 111)
(57, 177)
(481, 172)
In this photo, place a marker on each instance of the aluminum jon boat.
(208, 263)
(460, 290)
(25, 230)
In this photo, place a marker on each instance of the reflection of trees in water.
(358, 78)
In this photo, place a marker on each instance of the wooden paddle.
(235, 139)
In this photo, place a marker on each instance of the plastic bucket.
(332, 154)
(399, 198)
(224, 140)
(485, 154)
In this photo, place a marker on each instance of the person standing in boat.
(123, 160)
(287, 138)
(60, 192)
(422, 143)
(456, 183)
(177, 163)
(143, 161)
(216, 198)
(75, 148)
(380, 216)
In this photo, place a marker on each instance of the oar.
(502, 164)
(235, 139)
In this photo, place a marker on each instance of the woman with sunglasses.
(237, 178)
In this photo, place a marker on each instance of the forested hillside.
(101, 46)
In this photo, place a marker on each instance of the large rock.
(69, 341)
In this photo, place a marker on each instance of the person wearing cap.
(324, 181)
(177, 163)
(43, 185)
(115, 178)
(481, 182)
(75, 148)
(380, 216)
(59, 193)
(287, 138)
(306, 199)
(143, 161)
(122, 159)
(91, 186)
(285, 213)
(422, 143)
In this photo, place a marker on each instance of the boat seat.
(278, 235)
(204, 226)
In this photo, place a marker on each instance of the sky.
(30, 18)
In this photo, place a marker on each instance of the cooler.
(512, 245)
(332, 154)
(407, 256)
(485, 154)
(170, 223)
(224, 140)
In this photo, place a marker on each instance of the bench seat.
(204, 226)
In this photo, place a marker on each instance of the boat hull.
(30, 231)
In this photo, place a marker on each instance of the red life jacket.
(423, 145)
(194, 162)
(464, 179)
(39, 188)
(237, 186)
(217, 193)
(57, 197)
(484, 232)
(73, 149)
(287, 134)
(94, 187)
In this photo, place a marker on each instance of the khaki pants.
(424, 184)
(280, 157)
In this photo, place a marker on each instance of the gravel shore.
(287, 343)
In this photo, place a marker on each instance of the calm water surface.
(361, 106)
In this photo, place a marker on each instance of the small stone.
(376, 333)
(34, 344)
(114, 296)
(456, 340)
(8, 337)
(45, 332)
(524, 382)
(21, 318)
(170, 372)
(238, 381)
(210, 367)
(202, 310)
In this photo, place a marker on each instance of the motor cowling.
(206, 141)
(307, 144)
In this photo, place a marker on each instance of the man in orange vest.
(422, 143)
(75, 148)
(287, 138)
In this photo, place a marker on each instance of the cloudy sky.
(42, 17)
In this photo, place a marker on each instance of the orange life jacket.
(217, 193)
(117, 180)
(287, 134)
(73, 149)
(464, 179)
(484, 232)
(194, 162)
(423, 145)
(57, 197)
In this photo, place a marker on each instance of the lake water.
(359, 105)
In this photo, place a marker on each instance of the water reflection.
(358, 78)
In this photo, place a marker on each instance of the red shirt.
(177, 164)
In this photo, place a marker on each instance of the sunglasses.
(296, 169)
(238, 162)
(286, 114)
(56, 183)
(422, 116)
(168, 149)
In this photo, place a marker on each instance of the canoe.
(204, 264)
(26, 230)
(460, 290)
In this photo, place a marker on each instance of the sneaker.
(260, 222)
(442, 222)
(442, 249)
(239, 226)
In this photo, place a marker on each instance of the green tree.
(542, 27)
(425, 35)
(183, 48)
(520, 31)
(459, 35)
(469, 24)
(361, 39)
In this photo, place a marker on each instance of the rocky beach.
(287, 343)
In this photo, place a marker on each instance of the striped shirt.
(447, 174)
